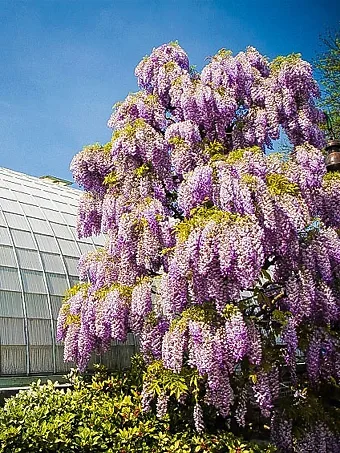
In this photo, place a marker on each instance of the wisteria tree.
(223, 257)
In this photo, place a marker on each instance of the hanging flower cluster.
(224, 260)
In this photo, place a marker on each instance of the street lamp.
(333, 155)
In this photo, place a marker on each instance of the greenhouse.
(39, 252)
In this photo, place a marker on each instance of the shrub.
(101, 414)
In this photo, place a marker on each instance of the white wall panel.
(73, 281)
(99, 240)
(10, 184)
(62, 205)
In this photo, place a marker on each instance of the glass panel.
(7, 257)
(61, 231)
(69, 247)
(99, 240)
(74, 232)
(39, 332)
(30, 210)
(73, 207)
(13, 360)
(40, 226)
(52, 262)
(6, 194)
(24, 197)
(9, 278)
(74, 203)
(46, 243)
(62, 206)
(70, 218)
(35, 189)
(74, 281)
(12, 331)
(2, 219)
(41, 359)
(29, 259)
(23, 239)
(9, 205)
(37, 306)
(11, 304)
(57, 284)
(12, 185)
(17, 221)
(33, 282)
(43, 202)
(48, 191)
(71, 264)
(4, 236)
(85, 248)
(56, 302)
(54, 216)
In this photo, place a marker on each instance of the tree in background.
(329, 65)
(222, 259)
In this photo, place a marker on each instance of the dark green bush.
(101, 414)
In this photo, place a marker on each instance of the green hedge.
(102, 414)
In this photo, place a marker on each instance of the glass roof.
(39, 252)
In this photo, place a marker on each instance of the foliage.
(102, 414)
(328, 64)
(229, 258)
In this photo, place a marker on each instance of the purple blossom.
(196, 212)
(237, 336)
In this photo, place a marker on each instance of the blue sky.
(64, 63)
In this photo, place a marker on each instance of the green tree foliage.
(328, 64)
